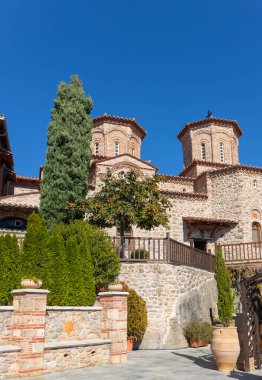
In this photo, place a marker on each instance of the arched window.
(222, 158)
(255, 183)
(133, 151)
(256, 232)
(116, 148)
(203, 151)
(96, 149)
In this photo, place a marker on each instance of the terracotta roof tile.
(28, 200)
(196, 219)
(209, 121)
(120, 120)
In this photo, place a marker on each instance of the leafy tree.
(34, 249)
(10, 276)
(68, 154)
(104, 255)
(224, 286)
(125, 201)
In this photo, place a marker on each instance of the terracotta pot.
(129, 346)
(27, 283)
(225, 347)
(197, 343)
(115, 287)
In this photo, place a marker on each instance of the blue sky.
(165, 63)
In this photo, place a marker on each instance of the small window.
(222, 158)
(256, 232)
(122, 175)
(116, 148)
(133, 152)
(18, 223)
(203, 151)
(96, 150)
(255, 183)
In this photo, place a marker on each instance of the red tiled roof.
(174, 178)
(209, 121)
(27, 179)
(196, 219)
(184, 194)
(121, 155)
(203, 163)
(120, 120)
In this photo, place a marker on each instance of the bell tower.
(212, 139)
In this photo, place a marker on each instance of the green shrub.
(104, 254)
(139, 254)
(224, 286)
(136, 316)
(10, 268)
(198, 331)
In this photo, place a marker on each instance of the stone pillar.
(28, 327)
(114, 323)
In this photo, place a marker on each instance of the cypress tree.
(10, 276)
(68, 154)
(224, 286)
(34, 249)
(76, 290)
(56, 273)
(87, 267)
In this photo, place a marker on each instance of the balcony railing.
(242, 253)
(139, 249)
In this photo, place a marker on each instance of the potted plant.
(224, 343)
(198, 334)
(139, 254)
(136, 319)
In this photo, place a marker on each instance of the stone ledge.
(6, 308)
(109, 294)
(75, 343)
(34, 291)
(73, 308)
(9, 348)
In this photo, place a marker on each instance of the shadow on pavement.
(207, 361)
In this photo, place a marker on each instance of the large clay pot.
(225, 347)
(27, 283)
(129, 345)
(115, 287)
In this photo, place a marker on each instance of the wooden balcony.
(243, 254)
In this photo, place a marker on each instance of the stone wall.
(174, 295)
(35, 339)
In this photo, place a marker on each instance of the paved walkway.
(186, 364)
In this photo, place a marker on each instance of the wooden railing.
(139, 249)
(242, 253)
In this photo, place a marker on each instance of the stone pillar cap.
(34, 291)
(109, 294)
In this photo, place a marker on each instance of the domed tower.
(211, 140)
(114, 136)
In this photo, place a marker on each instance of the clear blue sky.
(163, 62)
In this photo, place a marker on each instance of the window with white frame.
(222, 157)
(116, 148)
(203, 151)
(96, 149)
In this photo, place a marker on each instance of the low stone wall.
(36, 339)
(174, 295)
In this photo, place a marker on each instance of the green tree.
(68, 153)
(104, 255)
(10, 270)
(34, 249)
(136, 315)
(125, 201)
(224, 286)
(86, 264)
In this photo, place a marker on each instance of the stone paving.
(186, 364)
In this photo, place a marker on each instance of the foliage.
(104, 255)
(225, 295)
(10, 268)
(34, 250)
(198, 331)
(68, 153)
(125, 201)
(136, 316)
(139, 254)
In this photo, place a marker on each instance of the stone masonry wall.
(174, 295)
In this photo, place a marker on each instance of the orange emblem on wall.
(69, 327)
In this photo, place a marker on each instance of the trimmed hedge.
(136, 316)
(198, 331)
